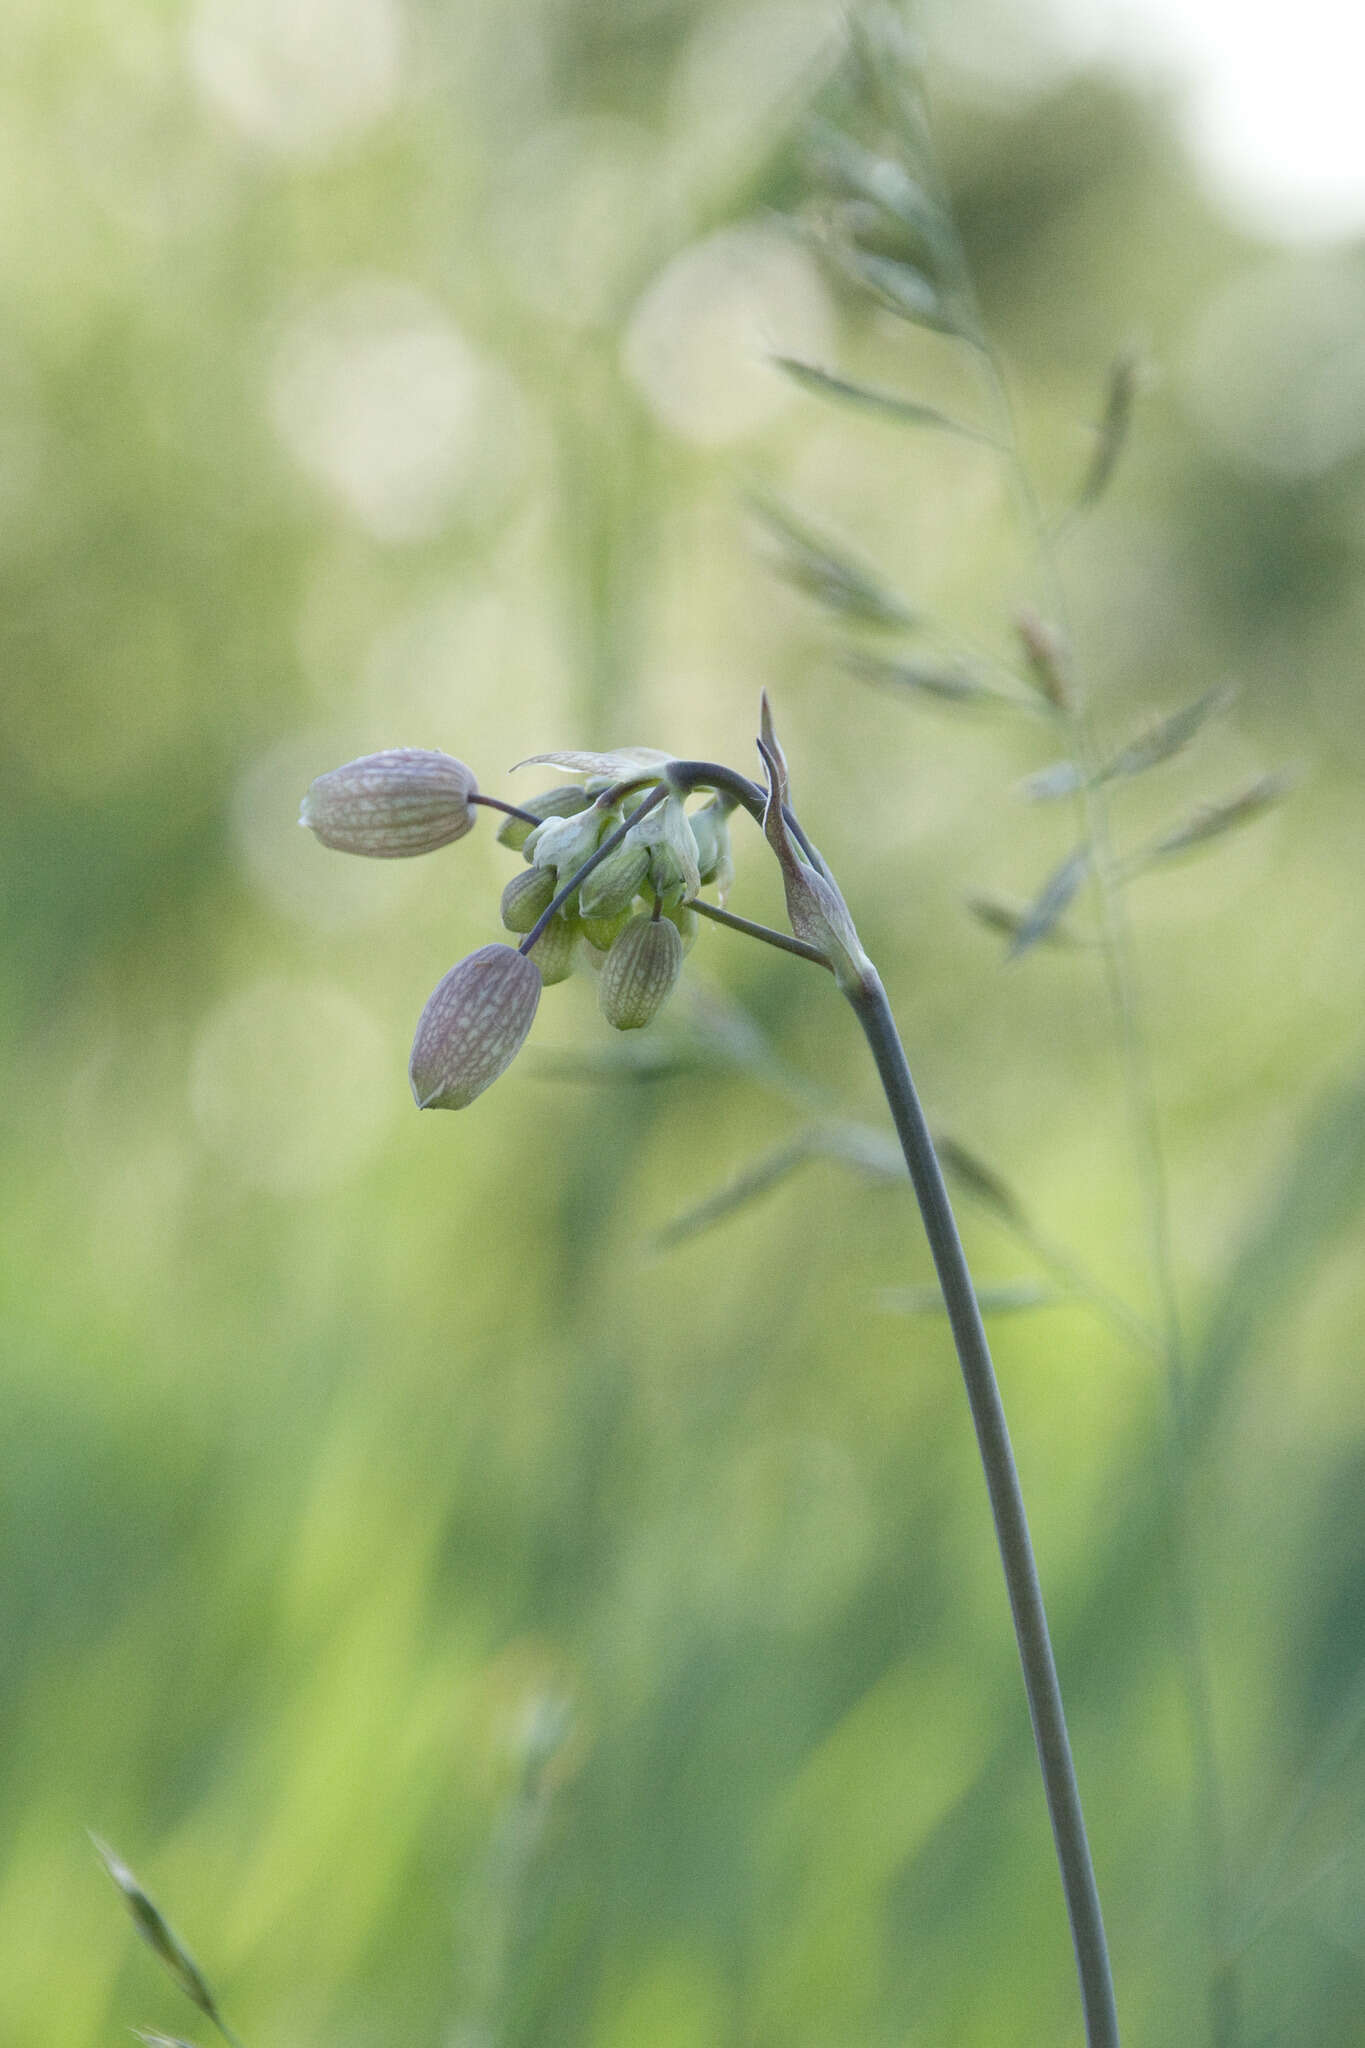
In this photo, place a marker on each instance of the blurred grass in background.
(475, 1625)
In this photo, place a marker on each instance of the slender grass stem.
(873, 1011)
(1117, 956)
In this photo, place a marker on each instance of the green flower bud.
(687, 922)
(526, 896)
(673, 869)
(613, 887)
(565, 843)
(640, 972)
(389, 806)
(474, 1025)
(553, 951)
(560, 802)
(711, 830)
(603, 932)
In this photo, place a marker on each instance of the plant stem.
(1116, 950)
(873, 1011)
(757, 931)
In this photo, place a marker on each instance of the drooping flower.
(640, 972)
(393, 805)
(474, 1025)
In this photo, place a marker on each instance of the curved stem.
(873, 1012)
(609, 845)
(495, 803)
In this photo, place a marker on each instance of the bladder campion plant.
(617, 862)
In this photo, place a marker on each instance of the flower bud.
(673, 869)
(474, 1025)
(389, 806)
(711, 830)
(640, 972)
(560, 802)
(613, 886)
(687, 922)
(602, 933)
(526, 896)
(553, 951)
(565, 843)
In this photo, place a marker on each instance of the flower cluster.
(613, 862)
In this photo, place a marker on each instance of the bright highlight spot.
(298, 76)
(700, 342)
(380, 398)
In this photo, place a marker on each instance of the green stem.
(873, 1012)
(1116, 949)
(757, 931)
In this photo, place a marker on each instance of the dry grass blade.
(887, 404)
(826, 573)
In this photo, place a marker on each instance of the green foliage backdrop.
(474, 1622)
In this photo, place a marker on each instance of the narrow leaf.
(980, 1181)
(889, 404)
(1111, 434)
(1168, 736)
(1052, 900)
(1212, 820)
(888, 186)
(901, 288)
(945, 684)
(1009, 1298)
(170, 1951)
(622, 764)
(1060, 778)
(747, 1187)
(824, 572)
(999, 914)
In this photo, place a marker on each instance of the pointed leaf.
(1121, 390)
(887, 185)
(1168, 736)
(747, 1187)
(169, 1950)
(1052, 900)
(1060, 778)
(826, 573)
(981, 1182)
(944, 683)
(889, 404)
(901, 288)
(998, 914)
(619, 766)
(1212, 820)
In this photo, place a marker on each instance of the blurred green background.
(477, 1624)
